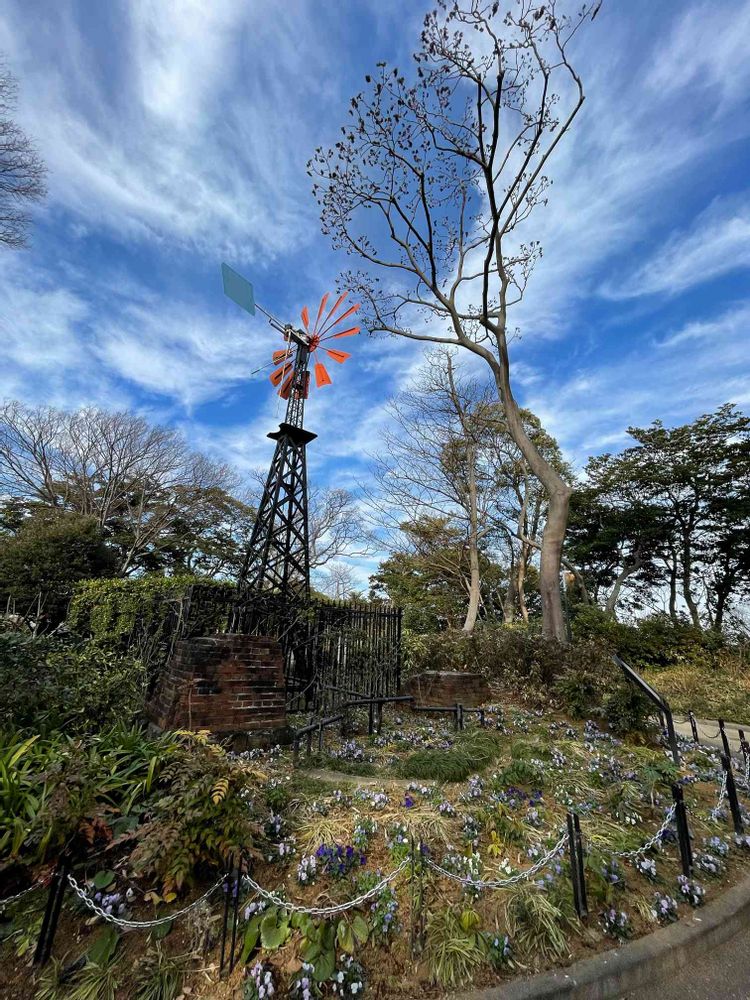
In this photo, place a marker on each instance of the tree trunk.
(509, 604)
(520, 582)
(557, 490)
(553, 620)
(475, 582)
(622, 576)
(687, 571)
(673, 586)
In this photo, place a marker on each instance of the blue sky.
(177, 133)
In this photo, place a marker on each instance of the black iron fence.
(328, 646)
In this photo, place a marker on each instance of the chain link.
(503, 883)
(140, 924)
(320, 911)
(722, 792)
(19, 895)
(652, 841)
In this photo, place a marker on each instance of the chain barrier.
(503, 883)
(722, 792)
(322, 911)
(652, 841)
(19, 895)
(137, 924)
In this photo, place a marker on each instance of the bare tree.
(22, 171)
(338, 581)
(432, 463)
(336, 528)
(134, 479)
(431, 183)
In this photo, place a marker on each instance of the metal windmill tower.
(278, 557)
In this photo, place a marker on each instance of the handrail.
(659, 700)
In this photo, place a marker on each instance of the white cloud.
(183, 124)
(691, 371)
(717, 243)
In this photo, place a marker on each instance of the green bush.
(53, 791)
(48, 683)
(626, 709)
(200, 815)
(652, 642)
(581, 686)
(472, 752)
(48, 555)
(141, 614)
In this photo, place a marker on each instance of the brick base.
(232, 685)
(443, 689)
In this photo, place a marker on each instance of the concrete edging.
(643, 963)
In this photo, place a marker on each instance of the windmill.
(278, 558)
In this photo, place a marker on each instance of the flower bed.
(453, 881)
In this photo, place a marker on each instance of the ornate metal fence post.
(52, 910)
(734, 804)
(683, 831)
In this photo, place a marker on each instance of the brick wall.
(230, 684)
(446, 688)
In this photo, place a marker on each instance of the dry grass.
(710, 692)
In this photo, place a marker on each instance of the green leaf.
(103, 879)
(345, 937)
(102, 950)
(360, 928)
(252, 933)
(272, 932)
(161, 930)
(325, 966)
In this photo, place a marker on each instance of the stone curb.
(644, 963)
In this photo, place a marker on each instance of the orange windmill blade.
(323, 329)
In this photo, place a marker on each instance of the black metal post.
(235, 914)
(295, 756)
(694, 727)
(683, 831)
(225, 918)
(724, 739)
(576, 868)
(734, 804)
(481, 717)
(309, 742)
(52, 911)
(370, 720)
(581, 874)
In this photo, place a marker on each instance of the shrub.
(55, 790)
(142, 614)
(48, 683)
(471, 752)
(626, 709)
(655, 641)
(200, 815)
(454, 946)
(49, 553)
(580, 690)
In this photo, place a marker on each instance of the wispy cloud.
(717, 243)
